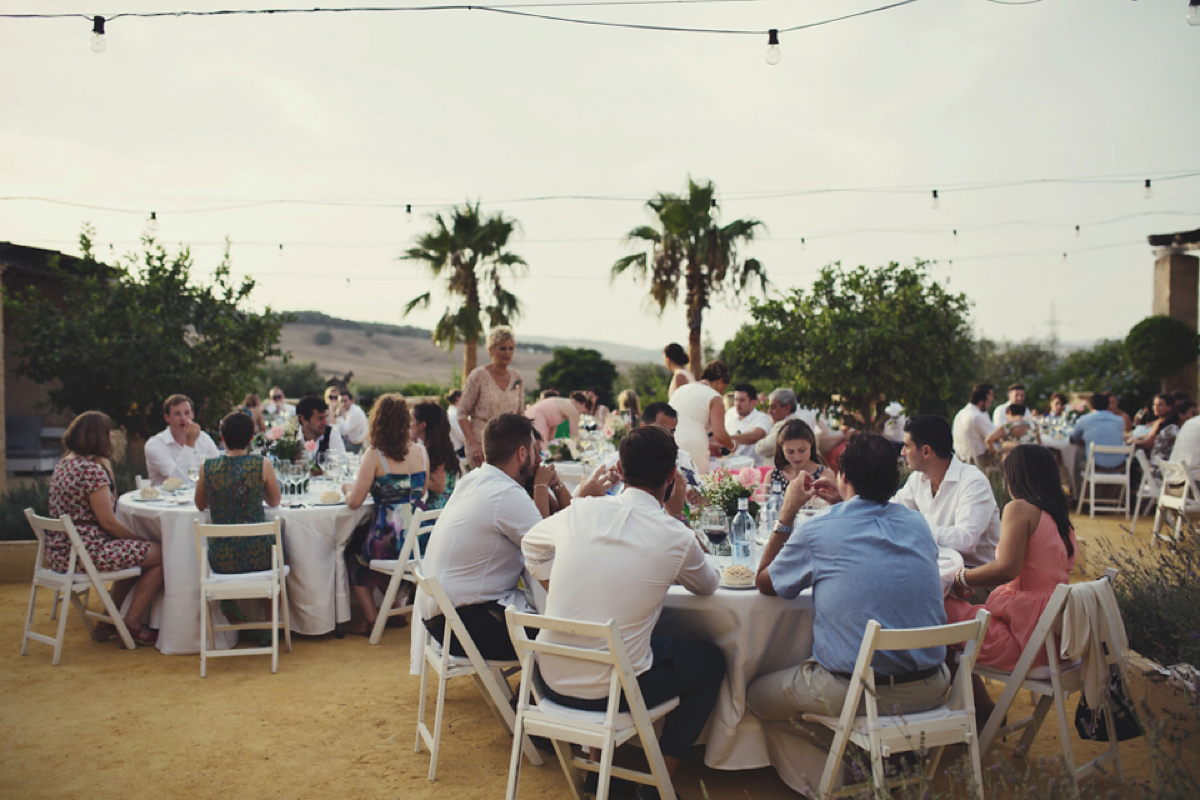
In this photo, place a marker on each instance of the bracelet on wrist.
(545, 486)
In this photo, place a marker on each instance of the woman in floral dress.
(489, 391)
(82, 487)
(394, 472)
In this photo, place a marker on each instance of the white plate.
(738, 586)
(334, 503)
(151, 499)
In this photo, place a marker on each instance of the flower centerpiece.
(283, 442)
(562, 450)
(615, 428)
(724, 488)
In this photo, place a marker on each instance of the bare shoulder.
(1022, 511)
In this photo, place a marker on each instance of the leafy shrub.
(323, 337)
(1160, 346)
(294, 379)
(1159, 597)
(13, 525)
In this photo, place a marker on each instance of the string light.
(713, 210)
(802, 243)
(936, 204)
(1193, 13)
(98, 43)
(152, 223)
(956, 234)
(773, 54)
(1076, 231)
(1147, 192)
(408, 212)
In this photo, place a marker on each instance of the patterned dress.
(235, 497)
(436, 501)
(73, 480)
(482, 399)
(396, 496)
(777, 476)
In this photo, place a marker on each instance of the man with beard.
(475, 547)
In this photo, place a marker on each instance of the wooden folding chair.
(604, 730)
(881, 736)
(75, 585)
(401, 571)
(490, 676)
(269, 584)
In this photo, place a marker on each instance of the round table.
(314, 537)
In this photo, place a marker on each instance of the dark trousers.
(485, 622)
(690, 670)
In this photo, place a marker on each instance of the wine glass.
(716, 528)
(193, 469)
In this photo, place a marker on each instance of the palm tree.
(469, 250)
(693, 249)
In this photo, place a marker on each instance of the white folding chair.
(75, 585)
(401, 570)
(604, 730)
(140, 483)
(1177, 497)
(1092, 478)
(268, 584)
(950, 723)
(1148, 490)
(1053, 685)
(490, 676)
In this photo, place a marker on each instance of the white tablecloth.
(313, 539)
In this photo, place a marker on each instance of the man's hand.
(191, 434)
(600, 481)
(826, 488)
(544, 474)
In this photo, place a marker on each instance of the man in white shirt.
(746, 424)
(352, 424)
(782, 406)
(687, 483)
(973, 429)
(456, 434)
(1187, 447)
(956, 499)
(615, 558)
(313, 414)
(278, 406)
(475, 547)
(1016, 394)
(170, 452)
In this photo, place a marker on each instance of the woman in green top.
(235, 486)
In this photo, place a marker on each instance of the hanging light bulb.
(802, 243)
(98, 43)
(152, 223)
(936, 204)
(408, 212)
(1147, 192)
(1064, 256)
(1076, 231)
(1193, 15)
(773, 54)
(956, 234)
(713, 210)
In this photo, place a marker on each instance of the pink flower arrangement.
(275, 432)
(311, 446)
(749, 477)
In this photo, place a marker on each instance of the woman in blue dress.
(393, 472)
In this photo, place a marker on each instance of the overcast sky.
(186, 116)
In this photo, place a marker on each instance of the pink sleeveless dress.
(1017, 605)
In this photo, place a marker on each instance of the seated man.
(352, 423)
(615, 558)
(313, 416)
(170, 452)
(956, 499)
(745, 423)
(278, 407)
(1016, 396)
(865, 559)
(475, 547)
(1101, 426)
(974, 432)
(687, 482)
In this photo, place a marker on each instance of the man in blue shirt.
(865, 559)
(1101, 426)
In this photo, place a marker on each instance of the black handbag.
(1092, 723)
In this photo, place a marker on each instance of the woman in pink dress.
(1035, 554)
(490, 390)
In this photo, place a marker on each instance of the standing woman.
(629, 407)
(676, 359)
(701, 410)
(83, 488)
(489, 391)
(551, 412)
(431, 427)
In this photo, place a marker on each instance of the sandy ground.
(336, 721)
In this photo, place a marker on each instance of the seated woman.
(83, 488)
(252, 406)
(431, 427)
(1168, 430)
(1035, 554)
(1017, 429)
(393, 471)
(1163, 405)
(628, 407)
(547, 414)
(796, 454)
(235, 486)
(549, 493)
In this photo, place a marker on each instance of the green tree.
(650, 381)
(1032, 363)
(1105, 367)
(124, 338)
(693, 253)
(574, 368)
(295, 379)
(468, 250)
(868, 335)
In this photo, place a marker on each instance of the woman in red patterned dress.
(82, 487)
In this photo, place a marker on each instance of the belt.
(895, 680)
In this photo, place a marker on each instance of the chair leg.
(275, 631)
(1039, 716)
(421, 701)
(514, 761)
(385, 608)
(57, 602)
(1065, 733)
(114, 615)
(33, 589)
(206, 633)
(606, 765)
(573, 773)
(437, 722)
(60, 636)
(287, 616)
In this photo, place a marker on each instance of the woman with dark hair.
(431, 427)
(393, 471)
(796, 454)
(83, 488)
(1168, 429)
(1035, 554)
(676, 359)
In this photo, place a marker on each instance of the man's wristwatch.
(781, 528)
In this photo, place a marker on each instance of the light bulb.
(152, 223)
(98, 43)
(1064, 256)
(1193, 15)
(1076, 231)
(773, 54)
(713, 210)
(408, 213)
(956, 234)
(936, 204)
(1147, 192)
(802, 243)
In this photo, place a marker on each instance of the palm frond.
(420, 301)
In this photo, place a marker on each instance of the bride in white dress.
(700, 410)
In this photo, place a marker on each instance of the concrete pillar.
(3, 389)
(1177, 294)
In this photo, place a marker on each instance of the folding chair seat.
(1093, 478)
(268, 584)
(1148, 489)
(884, 735)
(1052, 684)
(72, 584)
(401, 571)
(1177, 497)
(490, 676)
(604, 730)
